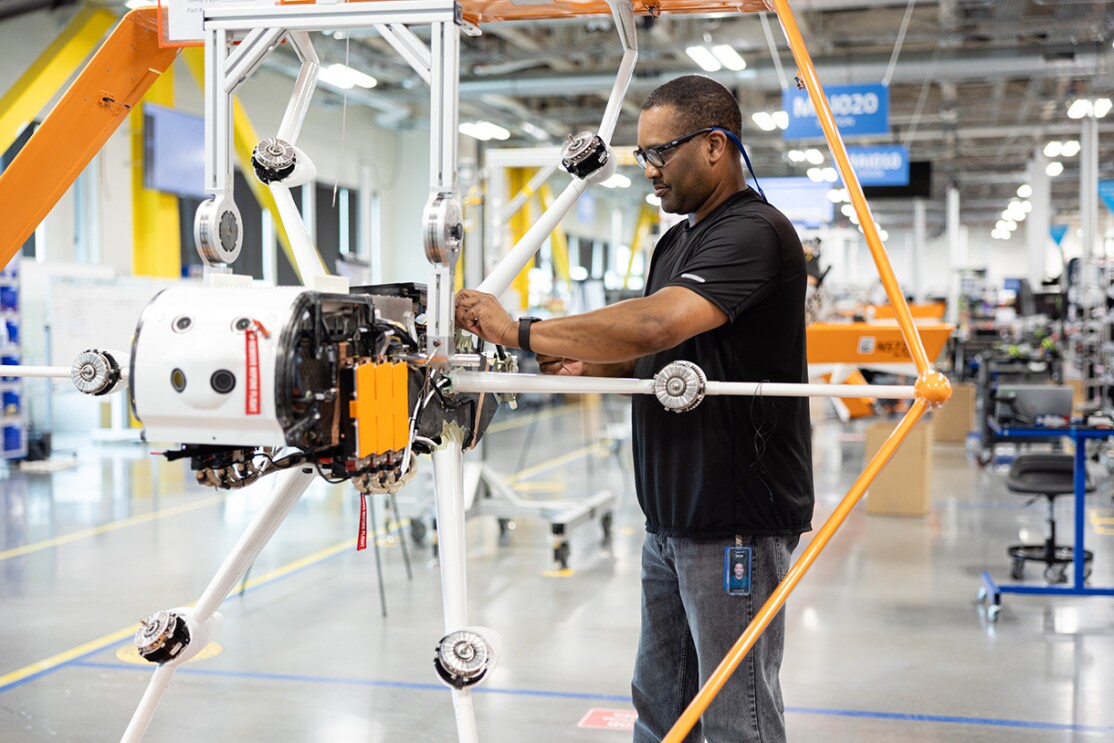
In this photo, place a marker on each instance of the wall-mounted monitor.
(173, 151)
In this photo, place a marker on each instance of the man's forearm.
(619, 369)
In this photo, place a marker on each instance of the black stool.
(1049, 475)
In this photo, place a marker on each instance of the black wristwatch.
(524, 324)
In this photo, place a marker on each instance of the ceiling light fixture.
(816, 175)
(795, 156)
(535, 131)
(483, 130)
(728, 57)
(814, 156)
(764, 120)
(344, 77)
(1024, 190)
(1053, 148)
(618, 180)
(781, 118)
(1054, 168)
(1071, 148)
(704, 58)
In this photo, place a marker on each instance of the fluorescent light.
(535, 131)
(796, 156)
(1011, 225)
(133, 4)
(781, 118)
(1079, 108)
(653, 199)
(1000, 224)
(834, 196)
(344, 77)
(1026, 206)
(1071, 148)
(1053, 148)
(830, 175)
(816, 175)
(764, 120)
(704, 58)
(1102, 107)
(1024, 190)
(618, 180)
(847, 210)
(483, 130)
(473, 130)
(1054, 168)
(883, 235)
(729, 57)
(496, 131)
(814, 156)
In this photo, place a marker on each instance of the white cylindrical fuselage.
(204, 363)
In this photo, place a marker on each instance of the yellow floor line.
(572, 456)
(67, 655)
(114, 637)
(203, 502)
(112, 526)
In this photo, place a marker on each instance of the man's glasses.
(654, 155)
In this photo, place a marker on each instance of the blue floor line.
(618, 698)
(79, 659)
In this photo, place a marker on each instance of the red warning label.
(609, 719)
(251, 399)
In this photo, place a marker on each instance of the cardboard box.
(904, 488)
(956, 419)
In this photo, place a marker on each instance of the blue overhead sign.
(858, 110)
(886, 165)
(1106, 193)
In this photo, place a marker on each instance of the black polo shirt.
(734, 465)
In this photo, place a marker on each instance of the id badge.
(736, 571)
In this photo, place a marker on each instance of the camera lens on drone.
(178, 380)
(223, 381)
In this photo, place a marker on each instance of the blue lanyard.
(746, 159)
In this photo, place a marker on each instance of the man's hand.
(561, 366)
(482, 315)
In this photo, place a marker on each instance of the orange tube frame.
(932, 388)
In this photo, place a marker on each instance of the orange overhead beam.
(87, 114)
(493, 11)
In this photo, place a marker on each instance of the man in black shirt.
(731, 481)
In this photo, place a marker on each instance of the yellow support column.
(47, 74)
(156, 235)
(558, 240)
(647, 217)
(517, 179)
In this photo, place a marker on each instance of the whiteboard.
(85, 314)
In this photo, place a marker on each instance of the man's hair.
(700, 102)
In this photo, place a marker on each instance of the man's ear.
(717, 146)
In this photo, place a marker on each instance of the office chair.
(1047, 475)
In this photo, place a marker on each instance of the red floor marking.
(609, 719)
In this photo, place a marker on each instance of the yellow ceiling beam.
(50, 71)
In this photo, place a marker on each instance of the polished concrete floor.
(885, 639)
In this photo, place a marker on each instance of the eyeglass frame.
(643, 156)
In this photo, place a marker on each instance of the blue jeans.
(689, 622)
